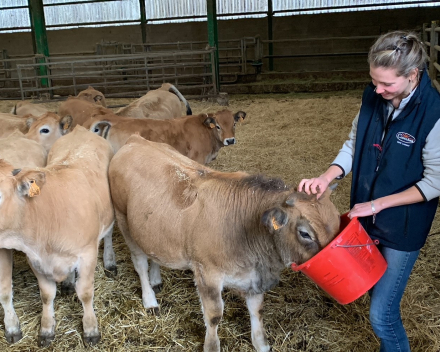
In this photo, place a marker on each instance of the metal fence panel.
(122, 75)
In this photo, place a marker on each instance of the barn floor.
(292, 136)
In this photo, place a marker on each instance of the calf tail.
(182, 98)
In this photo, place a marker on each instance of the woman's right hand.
(316, 185)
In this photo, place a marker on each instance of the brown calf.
(81, 106)
(231, 229)
(199, 137)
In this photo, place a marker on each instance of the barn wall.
(302, 26)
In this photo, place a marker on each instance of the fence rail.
(117, 75)
(431, 40)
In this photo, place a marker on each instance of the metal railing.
(431, 40)
(120, 75)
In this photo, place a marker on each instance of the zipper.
(380, 146)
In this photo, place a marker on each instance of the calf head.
(223, 125)
(48, 128)
(15, 185)
(93, 96)
(302, 225)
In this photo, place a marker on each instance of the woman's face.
(389, 85)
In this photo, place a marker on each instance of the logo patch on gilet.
(405, 139)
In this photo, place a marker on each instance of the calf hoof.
(67, 289)
(111, 271)
(13, 337)
(45, 340)
(92, 339)
(155, 311)
(157, 288)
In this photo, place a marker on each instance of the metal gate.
(193, 72)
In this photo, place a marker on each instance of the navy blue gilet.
(394, 165)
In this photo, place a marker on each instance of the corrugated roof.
(161, 11)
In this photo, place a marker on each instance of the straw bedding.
(288, 136)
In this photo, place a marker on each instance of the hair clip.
(396, 48)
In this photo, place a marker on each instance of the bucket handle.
(376, 242)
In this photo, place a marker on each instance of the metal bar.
(270, 32)
(211, 6)
(319, 39)
(143, 20)
(39, 35)
(317, 55)
(21, 83)
(347, 7)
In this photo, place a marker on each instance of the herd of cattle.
(66, 177)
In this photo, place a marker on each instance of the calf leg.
(85, 291)
(155, 277)
(12, 325)
(212, 305)
(255, 307)
(48, 290)
(140, 262)
(109, 256)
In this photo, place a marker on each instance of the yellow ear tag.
(211, 125)
(275, 224)
(34, 190)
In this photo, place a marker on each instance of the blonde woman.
(393, 151)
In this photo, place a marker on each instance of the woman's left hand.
(363, 209)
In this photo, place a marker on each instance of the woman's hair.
(400, 50)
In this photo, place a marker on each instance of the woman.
(393, 151)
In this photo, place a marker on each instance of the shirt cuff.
(342, 169)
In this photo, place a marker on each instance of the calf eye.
(44, 130)
(218, 127)
(305, 235)
(96, 130)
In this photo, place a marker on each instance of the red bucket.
(348, 266)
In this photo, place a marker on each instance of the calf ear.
(66, 124)
(209, 122)
(29, 183)
(274, 219)
(97, 98)
(30, 121)
(101, 128)
(239, 116)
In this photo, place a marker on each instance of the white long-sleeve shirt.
(429, 185)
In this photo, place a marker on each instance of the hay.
(288, 136)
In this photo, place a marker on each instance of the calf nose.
(229, 141)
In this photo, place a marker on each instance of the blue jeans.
(385, 299)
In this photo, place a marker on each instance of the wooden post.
(39, 37)
(270, 32)
(433, 52)
(211, 6)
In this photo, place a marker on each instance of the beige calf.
(162, 103)
(56, 216)
(231, 229)
(21, 152)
